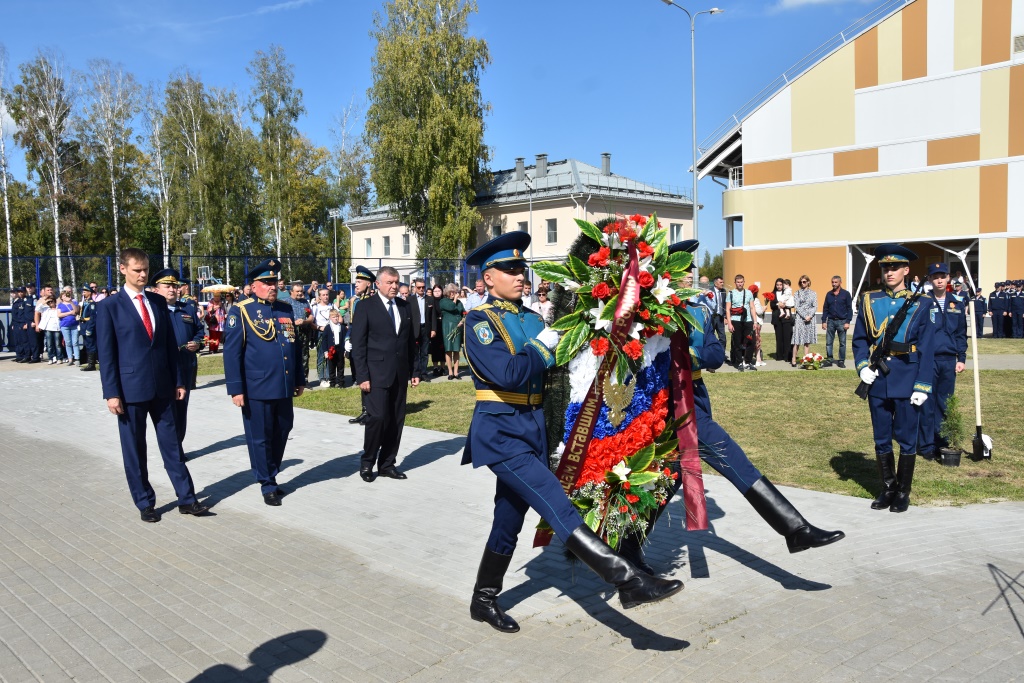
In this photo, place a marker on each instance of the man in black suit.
(384, 359)
(422, 305)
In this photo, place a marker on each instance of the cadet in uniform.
(22, 315)
(508, 349)
(1016, 298)
(191, 303)
(87, 330)
(999, 307)
(263, 369)
(947, 323)
(980, 309)
(723, 454)
(188, 334)
(364, 290)
(895, 400)
(34, 338)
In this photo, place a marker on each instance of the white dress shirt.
(145, 302)
(398, 318)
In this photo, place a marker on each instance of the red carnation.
(665, 318)
(634, 349)
(667, 472)
(644, 250)
(626, 485)
(599, 346)
(646, 280)
(600, 258)
(667, 275)
(601, 291)
(711, 295)
(632, 499)
(661, 330)
(645, 314)
(627, 233)
(675, 300)
(768, 296)
(624, 508)
(637, 218)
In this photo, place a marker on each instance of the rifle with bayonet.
(877, 359)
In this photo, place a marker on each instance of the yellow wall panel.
(823, 104)
(992, 259)
(915, 40)
(967, 34)
(732, 203)
(992, 208)
(930, 204)
(1016, 133)
(995, 113)
(890, 49)
(996, 16)
(866, 59)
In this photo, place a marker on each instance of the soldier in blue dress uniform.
(980, 309)
(263, 369)
(1016, 298)
(508, 349)
(87, 330)
(188, 334)
(999, 306)
(895, 399)
(724, 455)
(22, 315)
(363, 290)
(947, 323)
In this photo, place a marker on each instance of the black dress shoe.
(272, 499)
(149, 515)
(367, 475)
(359, 419)
(841, 364)
(195, 509)
(393, 473)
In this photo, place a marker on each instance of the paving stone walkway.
(370, 582)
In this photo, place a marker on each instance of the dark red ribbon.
(689, 456)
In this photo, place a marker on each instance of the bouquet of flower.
(812, 361)
(769, 296)
(619, 328)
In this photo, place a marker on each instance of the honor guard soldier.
(1017, 309)
(22, 315)
(718, 449)
(508, 349)
(892, 345)
(263, 369)
(87, 330)
(188, 334)
(947, 323)
(363, 290)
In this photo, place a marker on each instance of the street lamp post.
(335, 214)
(189, 236)
(693, 102)
(529, 227)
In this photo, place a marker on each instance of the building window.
(675, 232)
(387, 246)
(405, 244)
(495, 231)
(552, 230)
(369, 247)
(524, 226)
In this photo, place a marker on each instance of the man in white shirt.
(477, 296)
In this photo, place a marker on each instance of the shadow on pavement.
(268, 658)
(336, 468)
(1007, 585)
(222, 445)
(225, 488)
(212, 383)
(426, 454)
(859, 467)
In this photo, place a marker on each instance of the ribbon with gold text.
(689, 456)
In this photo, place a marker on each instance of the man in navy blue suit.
(141, 378)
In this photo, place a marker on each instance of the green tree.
(424, 124)
(712, 267)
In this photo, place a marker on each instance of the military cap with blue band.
(937, 268)
(268, 271)
(364, 273)
(86, 288)
(167, 276)
(894, 253)
(504, 252)
(689, 246)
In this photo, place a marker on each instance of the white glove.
(918, 398)
(348, 346)
(867, 375)
(548, 337)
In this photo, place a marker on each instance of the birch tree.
(157, 175)
(3, 164)
(42, 106)
(187, 115)
(112, 103)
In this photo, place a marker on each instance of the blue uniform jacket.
(133, 367)
(910, 370)
(506, 359)
(706, 351)
(980, 306)
(22, 312)
(1016, 302)
(186, 328)
(261, 359)
(997, 303)
(948, 324)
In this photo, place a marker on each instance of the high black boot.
(484, 606)
(904, 477)
(92, 362)
(886, 470)
(635, 587)
(631, 549)
(786, 520)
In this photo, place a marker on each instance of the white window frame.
(524, 226)
(675, 232)
(406, 244)
(549, 224)
(369, 247)
(495, 231)
(387, 245)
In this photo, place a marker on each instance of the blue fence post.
(38, 280)
(109, 283)
(245, 267)
(181, 266)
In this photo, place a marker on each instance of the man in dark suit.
(141, 378)
(422, 306)
(384, 360)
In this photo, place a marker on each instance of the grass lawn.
(986, 346)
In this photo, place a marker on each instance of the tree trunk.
(113, 203)
(7, 207)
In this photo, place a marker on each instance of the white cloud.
(9, 126)
(797, 4)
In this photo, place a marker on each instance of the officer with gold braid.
(508, 349)
(363, 290)
(263, 369)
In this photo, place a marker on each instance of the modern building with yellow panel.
(908, 127)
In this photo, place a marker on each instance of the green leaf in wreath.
(647, 499)
(552, 271)
(665, 449)
(612, 478)
(686, 315)
(679, 262)
(567, 322)
(579, 269)
(641, 460)
(642, 478)
(590, 230)
(571, 342)
(591, 520)
(608, 313)
(613, 539)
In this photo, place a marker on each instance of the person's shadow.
(268, 658)
(335, 468)
(229, 486)
(209, 385)
(859, 467)
(428, 453)
(221, 445)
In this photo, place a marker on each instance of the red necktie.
(145, 316)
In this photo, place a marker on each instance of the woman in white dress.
(804, 330)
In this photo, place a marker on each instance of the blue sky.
(567, 78)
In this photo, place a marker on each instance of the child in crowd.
(787, 302)
(333, 345)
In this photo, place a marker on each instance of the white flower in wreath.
(661, 290)
(571, 285)
(645, 264)
(612, 240)
(635, 332)
(599, 324)
(621, 470)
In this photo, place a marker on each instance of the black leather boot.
(91, 357)
(635, 587)
(904, 478)
(631, 548)
(886, 470)
(786, 520)
(484, 606)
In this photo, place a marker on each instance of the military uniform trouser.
(267, 425)
(894, 419)
(933, 412)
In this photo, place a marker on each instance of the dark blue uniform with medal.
(947, 323)
(508, 350)
(262, 363)
(87, 331)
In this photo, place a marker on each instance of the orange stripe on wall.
(866, 60)
(954, 150)
(857, 161)
(993, 198)
(995, 30)
(915, 40)
(1014, 255)
(1016, 136)
(780, 171)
